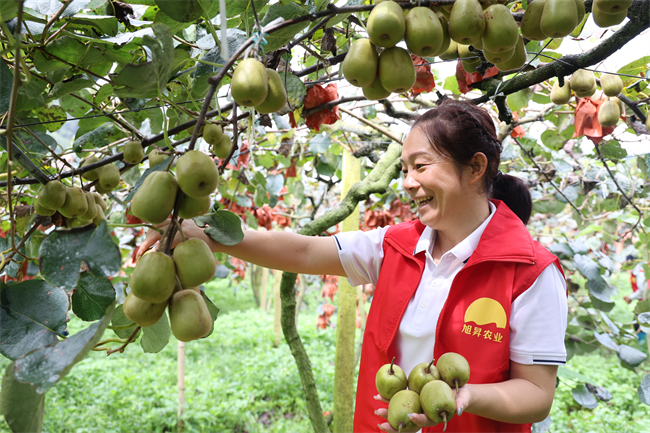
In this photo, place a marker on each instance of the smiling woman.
(466, 277)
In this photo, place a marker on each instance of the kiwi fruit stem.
(443, 415)
(390, 370)
(428, 369)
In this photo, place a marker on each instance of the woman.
(466, 278)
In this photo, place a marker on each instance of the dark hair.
(459, 130)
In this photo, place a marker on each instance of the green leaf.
(274, 183)
(138, 183)
(32, 313)
(241, 7)
(94, 139)
(33, 144)
(63, 88)
(235, 39)
(643, 392)
(607, 341)
(21, 405)
(184, 11)
(147, 80)
(8, 9)
(6, 84)
(104, 24)
(631, 356)
(636, 67)
(552, 140)
(517, 101)
(155, 337)
(612, 150)
(45, 367)
(599, 288)
(278, 39)
(451, 84)
(583, 397)
(119, 319)
(213, 309)
(296, 90)
(63, 251)
(566, 373)
(48, 114)
(587, 267)
(92, 297)
(320, 143)
(224, 227)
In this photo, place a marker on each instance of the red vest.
(473, 322)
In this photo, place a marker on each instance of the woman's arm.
(525, 398)
(274, 250)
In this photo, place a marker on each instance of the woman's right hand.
(190, 230)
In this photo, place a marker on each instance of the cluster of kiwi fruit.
(429, 389)
(197, 177)
(583, 84)
(160, 281)
(255, 85)
(220, 142)
(79, 206)
(107, 176)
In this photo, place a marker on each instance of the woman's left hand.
(420, 419)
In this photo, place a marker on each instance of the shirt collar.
(465, 248)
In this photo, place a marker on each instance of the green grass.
(237, 381)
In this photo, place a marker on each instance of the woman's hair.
(459, 130)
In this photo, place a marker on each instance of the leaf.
(552, 140)
(92, 297)
(587, 267)
(274, 183)
(104, 24)
(65, 88)
(583, 397)
(599, 392)
(613, 151)
(156, 337)
(320, 143)
(235, 39)
(643, 319)
(149, 79)
(6, 84)
(281, 37)
(48, 114)
(33, 144)
(520, 99)
(631, 356)
(119, 319)
(610, 324)
(21, 405)
(636, 67)
(8, 9)
(296, 91)
(543, 426)
(213, 309)
(567, 373)
(241, 7)
(224, 227)
(45, 367)
(61, 253)
(607, 341)
(95, 139)
(643, 392)
(159, 167)
(184, 11)
(341, 17)
(32, 313)
(599, 288)
(561, 249)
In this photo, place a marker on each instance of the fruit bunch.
(160, 281)
(254, 85)
(429, 389)
(107, 176)
(196, 175)
(220, 143)
(81, 207)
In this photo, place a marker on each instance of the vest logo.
(485, 311)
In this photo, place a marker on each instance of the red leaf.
(465, 79)
(242, 159)
(424, 78)
(518, 131)
(317, 96)
(132, 219)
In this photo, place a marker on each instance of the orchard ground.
(237, 382)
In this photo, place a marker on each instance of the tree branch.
(331, 104)
(639, 14)
(384, 131)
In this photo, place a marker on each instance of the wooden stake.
(181, 385)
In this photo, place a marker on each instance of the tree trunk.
(346, 317)
(301, 295)
(256, 277)
(263, 285)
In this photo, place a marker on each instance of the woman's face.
(433, 183)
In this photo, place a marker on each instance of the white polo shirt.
(538, 317)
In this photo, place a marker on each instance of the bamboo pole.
(345, 328)
(181, 385)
